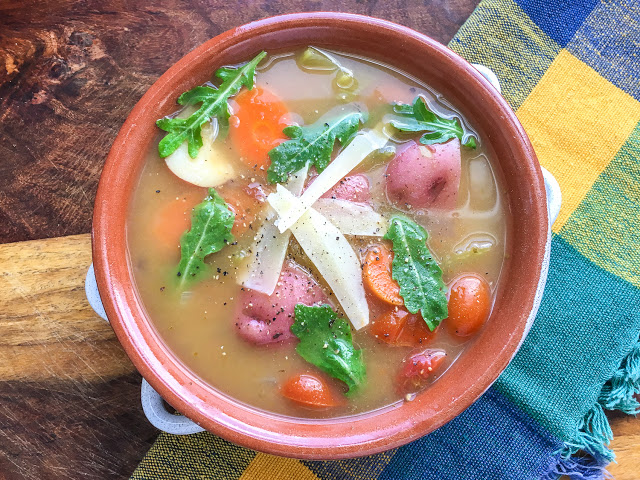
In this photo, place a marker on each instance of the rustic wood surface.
(70, 71)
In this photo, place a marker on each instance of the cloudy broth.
(197, 323)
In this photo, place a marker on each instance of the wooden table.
(70, 72)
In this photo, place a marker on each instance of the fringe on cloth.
(586, 457)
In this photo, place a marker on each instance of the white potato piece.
(482, 185)
(212, 166)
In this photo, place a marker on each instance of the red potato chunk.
(261, 319)
(354, 188)
(417, 370)
(424, 176)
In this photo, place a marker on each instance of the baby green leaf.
(214, 104)
(415, 270)
(418, 118)
(325, 341)
(211, 223)
(312, 144)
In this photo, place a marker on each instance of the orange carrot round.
(174, 218)
(400, 328)
(377, 275)
(310, 391)
(244, 202)
(256, 127)
(469, 305)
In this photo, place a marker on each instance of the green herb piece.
(312, 144)
(418, 118)
(415, 270)
(316, 60)
(325, 341)
(214, 104)
(211, 223)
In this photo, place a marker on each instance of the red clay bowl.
(481, 362)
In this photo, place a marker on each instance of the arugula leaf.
(214, 104)
(415, 270)
(418, 118)
(312, 144)
(211, 223)
(325, 341)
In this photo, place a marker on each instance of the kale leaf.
(312, 144)
(325, 341)
(213, 104)
(211, 223)
(415, 270)
(418, 118)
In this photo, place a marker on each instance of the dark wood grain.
(70, 72)
(72, 429)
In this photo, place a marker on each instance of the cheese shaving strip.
(361, 146)
(330, 252)
(352, 218)
(270, 246)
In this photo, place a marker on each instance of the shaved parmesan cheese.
(331, 254)
(212, 166)
(270, 246)
(352, 218)
(361, 146)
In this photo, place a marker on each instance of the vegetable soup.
(316, 234)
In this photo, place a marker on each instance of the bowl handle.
(554, 195)
(487, 73)
(93, 295)
(152, 403)
(157, 414)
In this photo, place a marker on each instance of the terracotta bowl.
(479, 365)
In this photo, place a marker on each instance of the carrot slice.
(377, 275)
(400, 328)
(174, 218)
(310, 391)
(244, 202)
(469, 305)
(257, 125)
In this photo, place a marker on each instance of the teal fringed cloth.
(571, 71)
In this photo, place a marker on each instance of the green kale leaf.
(325, 341)
(213, 104)
(418, 118)
(415, 270)
(312, 144)
(211, 223)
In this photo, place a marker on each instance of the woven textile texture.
(571, 71)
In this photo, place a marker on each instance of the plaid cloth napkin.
(572, 73)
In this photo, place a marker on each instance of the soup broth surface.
(198, 323)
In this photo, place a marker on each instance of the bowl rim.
(336, 438)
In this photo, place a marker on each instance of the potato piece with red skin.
(417, 368)
(354, 188)
(425, 176)
(261, 319)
